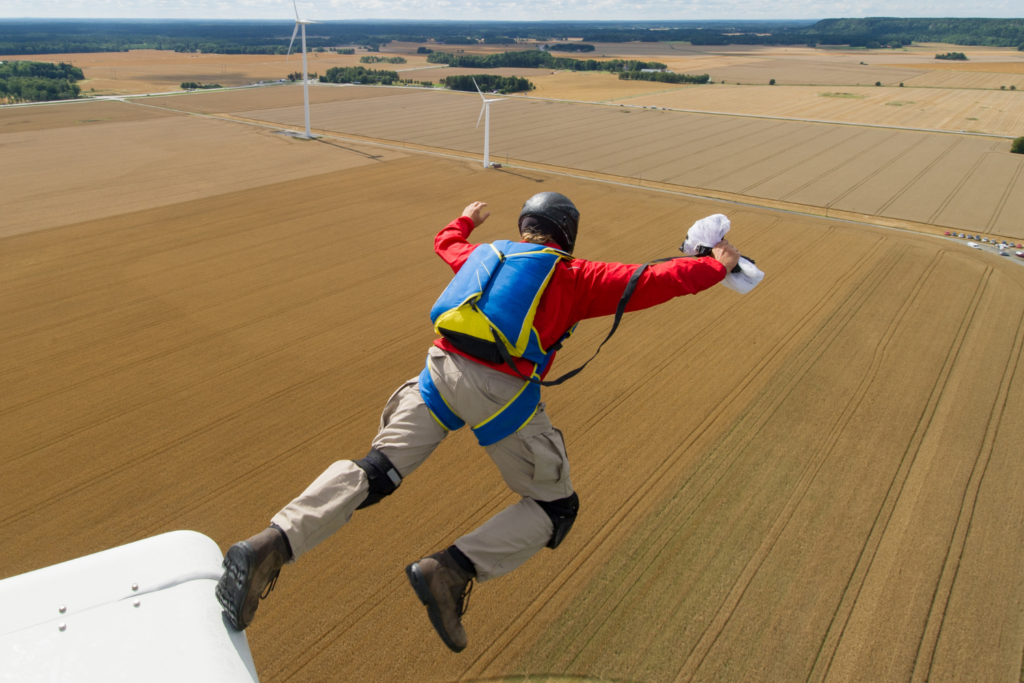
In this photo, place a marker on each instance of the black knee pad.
(562, 513)
(384, 478)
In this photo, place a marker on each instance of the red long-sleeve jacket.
(582, 289)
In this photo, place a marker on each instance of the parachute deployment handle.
(627, 294)
(707, 251)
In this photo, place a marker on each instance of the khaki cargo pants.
(532, 461)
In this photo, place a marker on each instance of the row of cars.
(1002, 245)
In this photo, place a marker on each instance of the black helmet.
(559, 211)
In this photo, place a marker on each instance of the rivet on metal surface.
(135, 586)
(137, 603)
(62, 609)
(62, 626)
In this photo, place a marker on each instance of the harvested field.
(999, 113)
(66, 175)
(1002, 67)
(840, 503)
(147, 71)
(594, 86)
(810, 72)
(74, 115)
(231, 101)
(969, 79)
(768, 159)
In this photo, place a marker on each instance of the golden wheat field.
(148, 71)
(953, 181)
(999, 113)
(818, 481)
(113, 158)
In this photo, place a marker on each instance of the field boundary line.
(596, 103)
(951, 566)
(851, 594)
(732, 198)
(753, 566)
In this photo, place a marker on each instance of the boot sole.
(419, 584)
(233, 587)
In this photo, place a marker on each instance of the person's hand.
(474, 213)
(726, 254)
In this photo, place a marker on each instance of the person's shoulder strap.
(627, 294)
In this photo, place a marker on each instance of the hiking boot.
(251, 569)
(444, 587)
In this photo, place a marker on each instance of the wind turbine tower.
(485, 113)
(305, 78)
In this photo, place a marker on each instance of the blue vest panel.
(499, 289)
(519, 410)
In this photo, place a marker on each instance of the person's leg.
(534, 464)
(408, 435)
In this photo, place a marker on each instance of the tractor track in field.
(609, 528)
(951, 565)
(760, 410)
(848, 603)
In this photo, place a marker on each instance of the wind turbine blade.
(478, 90)
(481, 114)
(500, 99)
(292, 41)
(296, 10)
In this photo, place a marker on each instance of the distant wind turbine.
(305, 79)
(485, 113)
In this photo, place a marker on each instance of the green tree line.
(663, 77)
(38, 81)
(359, 74)
(538, 59)
(370, 59)
(489, 83)
(571, 47)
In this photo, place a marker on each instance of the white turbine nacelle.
(305, 78)
(485, 114)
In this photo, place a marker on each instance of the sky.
(518, 10)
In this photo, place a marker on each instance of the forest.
(359, 74)
(34, 36)
(38, 82)
(488, 83)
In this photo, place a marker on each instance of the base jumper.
(502, 319)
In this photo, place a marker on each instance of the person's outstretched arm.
(452, 243)
(600, 285)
